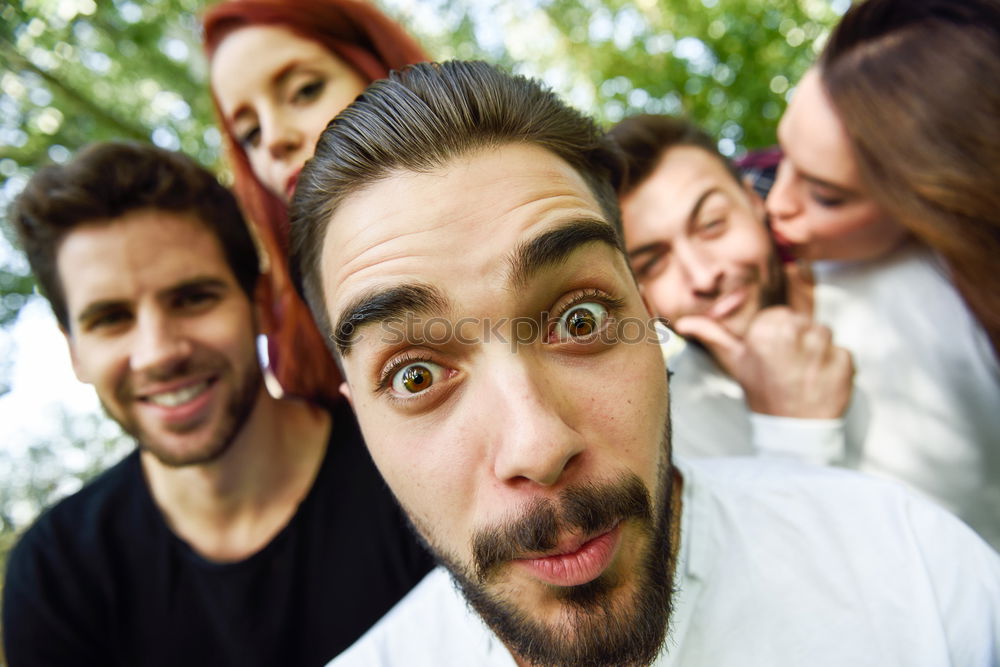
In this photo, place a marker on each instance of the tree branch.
(125, 129)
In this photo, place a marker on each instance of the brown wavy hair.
(916, 84)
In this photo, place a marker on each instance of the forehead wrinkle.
(379, 253)
(361, 243)
(396, 253)
(400, 228)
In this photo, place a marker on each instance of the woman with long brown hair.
(889, 187)
(902, 138)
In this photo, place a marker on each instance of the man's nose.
(159, 342)
(781, 202)
(534, 443)
(701, 272)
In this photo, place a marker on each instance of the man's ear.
(345, 391)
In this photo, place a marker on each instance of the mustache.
(587, 508)
(747, 277)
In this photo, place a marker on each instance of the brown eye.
(249, 138)
(581, 321)
(415, 378)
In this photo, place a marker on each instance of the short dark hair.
(419, 119)
(109, 180)
(644, 138)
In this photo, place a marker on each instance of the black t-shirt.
(101, 580)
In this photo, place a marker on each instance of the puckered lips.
(178, 402)
(787, 249)
(576, 560)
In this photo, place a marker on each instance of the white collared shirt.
(780, 565)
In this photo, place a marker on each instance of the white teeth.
(172, 399)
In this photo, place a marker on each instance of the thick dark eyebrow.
(696, 209)
(547, 249)
(554, 246)
(99, 308)
(193, 284)
(381, 305)
(646, 249)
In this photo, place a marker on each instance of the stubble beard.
(774, 285)
(235, 414)
(614, 620)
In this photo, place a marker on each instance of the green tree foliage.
(728, 64)
(77, 71)
(725, 63)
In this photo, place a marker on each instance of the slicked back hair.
(418, 120)
(109, 180)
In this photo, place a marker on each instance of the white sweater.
(926, 403)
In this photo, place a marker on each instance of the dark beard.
(241, 403)
(605, 631)
(774, 286)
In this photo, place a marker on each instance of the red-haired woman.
(280, 71)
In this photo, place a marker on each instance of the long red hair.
(362, 36)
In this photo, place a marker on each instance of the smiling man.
(531, 447)
(759, 377)
(240, 518)
(762, 379)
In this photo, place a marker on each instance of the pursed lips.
(570, 543)
(576, 561)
